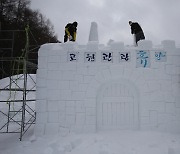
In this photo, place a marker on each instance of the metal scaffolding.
(17, 96)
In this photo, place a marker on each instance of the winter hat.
(75, 23)
(130, 22)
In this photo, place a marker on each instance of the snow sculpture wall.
(93, 88)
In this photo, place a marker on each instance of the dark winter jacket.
(135, 28)
(71, 28)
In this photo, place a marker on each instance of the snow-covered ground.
(110, 142)
(107, 142)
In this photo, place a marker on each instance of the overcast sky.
(159, 19)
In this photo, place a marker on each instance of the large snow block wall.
(93, 88)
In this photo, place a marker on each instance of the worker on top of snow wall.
(137, 31)
(70, 31)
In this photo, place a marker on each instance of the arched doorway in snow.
(117, 106)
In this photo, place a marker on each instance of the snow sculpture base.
(92, 89)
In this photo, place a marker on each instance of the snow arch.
(117, 106)
(126, 87)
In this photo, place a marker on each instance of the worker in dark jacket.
(70, 31)
(137, 31)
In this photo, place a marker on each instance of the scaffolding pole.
(18, 113)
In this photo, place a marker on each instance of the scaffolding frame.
(19, 113)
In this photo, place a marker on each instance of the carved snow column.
(93, 41)
(93, 34)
